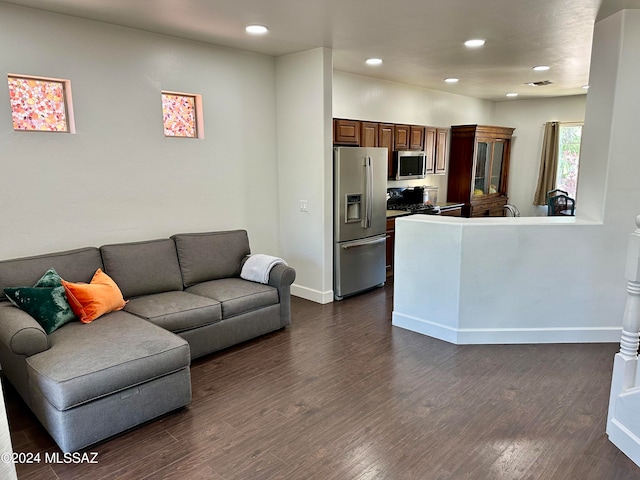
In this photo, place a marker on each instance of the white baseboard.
(311, 294)
(483, 336)
(624, 439)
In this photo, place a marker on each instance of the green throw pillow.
(49, 279)
(46, 302)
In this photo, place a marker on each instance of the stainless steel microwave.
(410, 164)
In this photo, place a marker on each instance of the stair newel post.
(625, 362)
(630, 339)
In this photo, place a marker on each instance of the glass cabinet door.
(488, 170)
(496, 167)
(483, 166)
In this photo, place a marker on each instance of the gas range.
(412, 200)
(421, 208)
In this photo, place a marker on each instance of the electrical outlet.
(303, 206)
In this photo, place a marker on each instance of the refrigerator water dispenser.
(353, 207)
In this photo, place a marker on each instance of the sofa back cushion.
(212, 255)
(73, 265)
(141, 268)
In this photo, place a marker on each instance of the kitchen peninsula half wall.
(503, 280)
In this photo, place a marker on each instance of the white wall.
(528, 117)
(118, 178)
(610, 144)
(365, 98)
(305, 170)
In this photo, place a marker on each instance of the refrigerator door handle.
(363, 244)
(368, 180)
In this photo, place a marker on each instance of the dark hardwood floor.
(343, 395)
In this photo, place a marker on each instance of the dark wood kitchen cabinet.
(395, 137)
(369, 134)
(391, 226)
(409, 137)
(416, 137)
(442, 150)
(436, 145)
(385, 139)
(479, 169)
(430, 148)
(346, 132)
(401, 137)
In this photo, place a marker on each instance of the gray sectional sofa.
(185, 299)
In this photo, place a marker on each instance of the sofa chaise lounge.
(185, 299)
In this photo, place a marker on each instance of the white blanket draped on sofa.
(258, 266)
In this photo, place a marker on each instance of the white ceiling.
(420, 41)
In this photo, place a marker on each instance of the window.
(182, 115)
(569, 157)
(40, 104)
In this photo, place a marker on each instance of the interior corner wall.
(118, 178)
(597, 138)
(528, 118)
(365, 98)
(305, 170)
(616, 127)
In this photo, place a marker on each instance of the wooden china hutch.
(479, 169)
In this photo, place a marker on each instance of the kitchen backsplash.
(439, 181)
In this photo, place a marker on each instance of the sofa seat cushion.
(176, 311)
(237, 296)
(114, 353)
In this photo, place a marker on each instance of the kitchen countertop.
(397, 213)
(443, 207)
(449, 205)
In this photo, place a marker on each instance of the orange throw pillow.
(91, 300)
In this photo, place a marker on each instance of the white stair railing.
(622, 426)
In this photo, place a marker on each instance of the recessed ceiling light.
(476, 42)
(512, 95)
(452, 80)
(256, 29)
(586, 87)
(373, 61)
(541, 68)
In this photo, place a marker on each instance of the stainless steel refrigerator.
(359, 201)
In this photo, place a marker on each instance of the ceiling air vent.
(539, 84)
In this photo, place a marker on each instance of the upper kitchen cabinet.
(479, 169)
(436, 144)
(346, 132)
(385, 139)
(430, 148)
(395, 137)
(442, 150)
(416, 137)
(401, 137)
(368, 134)
(408, 137)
